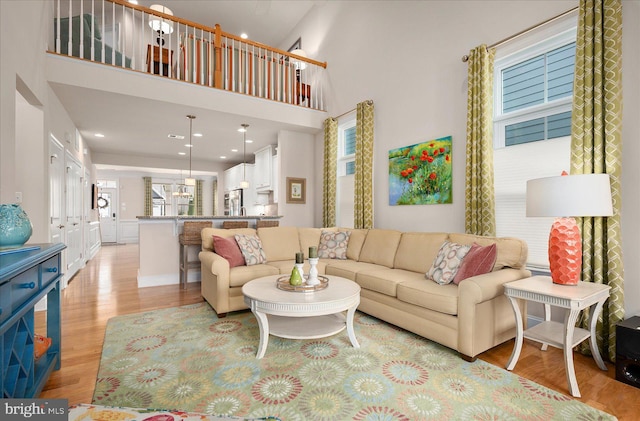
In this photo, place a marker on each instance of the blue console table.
(26, 277)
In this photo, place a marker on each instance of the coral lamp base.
(565, 252)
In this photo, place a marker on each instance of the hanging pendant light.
(190, 181)
(244, 184)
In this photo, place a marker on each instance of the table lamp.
(565, 197)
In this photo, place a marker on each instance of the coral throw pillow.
(333, 244)
(479, 260)
(228, 248)
(251, 248)
(447, 262)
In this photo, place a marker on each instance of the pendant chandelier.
(244, 184)
(190, 181)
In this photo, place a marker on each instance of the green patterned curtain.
(480, 218)
(197, 197)
(329, 174)
(363, 200)
(148, 196)
(596, 147)
(215, 198)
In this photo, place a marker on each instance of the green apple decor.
(295, 279)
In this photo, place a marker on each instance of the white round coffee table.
(302, 315)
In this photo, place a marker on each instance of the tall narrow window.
(532, 126)
(346, 170)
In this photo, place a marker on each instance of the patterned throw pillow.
(479, 260)
(251, 248)
(447, 262)
(333, 244)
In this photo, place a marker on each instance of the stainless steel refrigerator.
(233, 203)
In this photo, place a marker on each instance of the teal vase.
(15, 227)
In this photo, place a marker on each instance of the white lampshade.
(244, 184)
(300, 65)
(166, 27)
(570, 195)
(189, 181)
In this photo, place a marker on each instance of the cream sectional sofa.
(390, 268)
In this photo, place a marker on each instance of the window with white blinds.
(346, 170)
(533, 90)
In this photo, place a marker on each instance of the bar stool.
(266, 223)
(190, 237)
(235, 224)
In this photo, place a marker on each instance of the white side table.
(560, 335)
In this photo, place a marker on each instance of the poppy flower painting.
(420, 174)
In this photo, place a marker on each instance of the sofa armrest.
(481, 288)
(215, 280)
(485, 317)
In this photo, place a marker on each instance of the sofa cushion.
(380, 247)
(479, 260)
(251, 248)
(384, 280)
(333, 244)
(309, 237)
(417, 250)
(240, 275)
(356, 240)
(228, 248)
(280, 243)
(440, 298)
(347, 268)
(447, 262)
(207, 235)
(512, 252)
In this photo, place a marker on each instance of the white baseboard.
(166, 279)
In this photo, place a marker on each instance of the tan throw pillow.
(447, 262)
(251, 248)
(479, 260)
(333, 244)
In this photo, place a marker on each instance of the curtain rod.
(465, 58)
(369, 101)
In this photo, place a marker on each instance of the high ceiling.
(139, 127)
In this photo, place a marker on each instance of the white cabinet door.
(263, 168)
(275, 177)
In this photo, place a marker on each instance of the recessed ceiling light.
(234, 150)
(188, 145)
(175, 136)
(244, 36)
(197, 134)
(182, 153)
(249, 141)
(99, 135)
(223, 157)
(133, 1)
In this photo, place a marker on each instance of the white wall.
(297, 159)
(406, 57)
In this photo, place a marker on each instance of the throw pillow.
(333, 244)
(447, 262)
(479, 260)
(228, 248)
(251, 248)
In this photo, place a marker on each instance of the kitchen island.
(159, 250)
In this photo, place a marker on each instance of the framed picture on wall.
(296, 190)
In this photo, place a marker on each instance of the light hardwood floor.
(107, 287)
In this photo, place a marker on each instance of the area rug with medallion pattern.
(187, 359)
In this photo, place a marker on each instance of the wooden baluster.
(217, 77)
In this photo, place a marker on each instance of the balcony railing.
(118, 33)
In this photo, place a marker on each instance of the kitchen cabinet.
(275, 177)
(234, 175)
(263, 168)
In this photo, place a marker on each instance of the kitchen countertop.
(207, 217)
